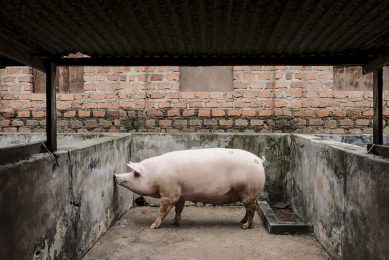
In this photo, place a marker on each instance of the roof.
(209, 32)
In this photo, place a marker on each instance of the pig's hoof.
(243, 220)
(245, 226)
(175, 223)
(154, 226)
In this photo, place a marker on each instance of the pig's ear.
(136, 167)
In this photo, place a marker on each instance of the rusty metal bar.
(51, 107)
(377, 104)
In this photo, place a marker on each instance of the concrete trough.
(59, 206)
(276, 226)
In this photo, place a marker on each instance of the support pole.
(51, 107)
(377, 103)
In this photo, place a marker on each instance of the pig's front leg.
(178, 208)
(164, 209)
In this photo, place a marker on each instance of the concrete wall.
(58, 208)
(343, 191)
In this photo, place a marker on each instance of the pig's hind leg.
(247, 220)
(178, 208)
(164, 209)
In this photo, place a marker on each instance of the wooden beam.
(51, 107)
(19, 54)
(377, 103)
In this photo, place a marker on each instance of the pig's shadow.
(146, 221)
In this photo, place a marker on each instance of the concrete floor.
(204, 233)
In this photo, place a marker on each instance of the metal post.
(377, 103)
(51, 107)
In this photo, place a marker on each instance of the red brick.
(5, 123)
(202, 95)
(164, 123)
(280, 84)
(69, 114)
(63, 105)
(315, 122)
(8, 96)
(323, 113)
(226, 104)
(280, 104)
(155, 113)
(265, 113)
(256, 122)
(39, 97)
(368, 113)
(249, 94)
(265, 94)
(195, 122)
(17, 122)
(264, 76)
(173, 112)
(363, 104)
(309, 113)
(224, 122)
(32, 122)
(340, 113)
(340, 94)
(241, 104)
(363, 122)
(181, 122)
(218, 112)
(164, 104)
(248, 76)
(346, 122)
(212, 104)
(188, 112)
(84, 113)
(66, 96)
(23, 113)
(331, 123)
(150, 123)
(302, 122)
(235, 112)
(248, 113)
(255, 104)
(204, 112)
(173, 77)
(187, 95)
(241, 122)
(38, 114)
(98, 113)
(8, 114)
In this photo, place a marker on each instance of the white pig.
(214, 176)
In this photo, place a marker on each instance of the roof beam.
(212, 61)
(379, 62)
(18, 54)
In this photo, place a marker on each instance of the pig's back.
(208, 175)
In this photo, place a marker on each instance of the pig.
(212, 176)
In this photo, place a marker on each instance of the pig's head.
(136, 180)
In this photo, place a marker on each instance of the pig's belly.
(218, 197)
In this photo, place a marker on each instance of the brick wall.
(123, 99)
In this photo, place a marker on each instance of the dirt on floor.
(204, 233)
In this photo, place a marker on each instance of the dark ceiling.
(208, 31)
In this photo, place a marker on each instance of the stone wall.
(122, 99)
(58, 207)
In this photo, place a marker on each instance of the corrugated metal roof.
(198, 28)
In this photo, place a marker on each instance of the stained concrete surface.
(204, 233)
